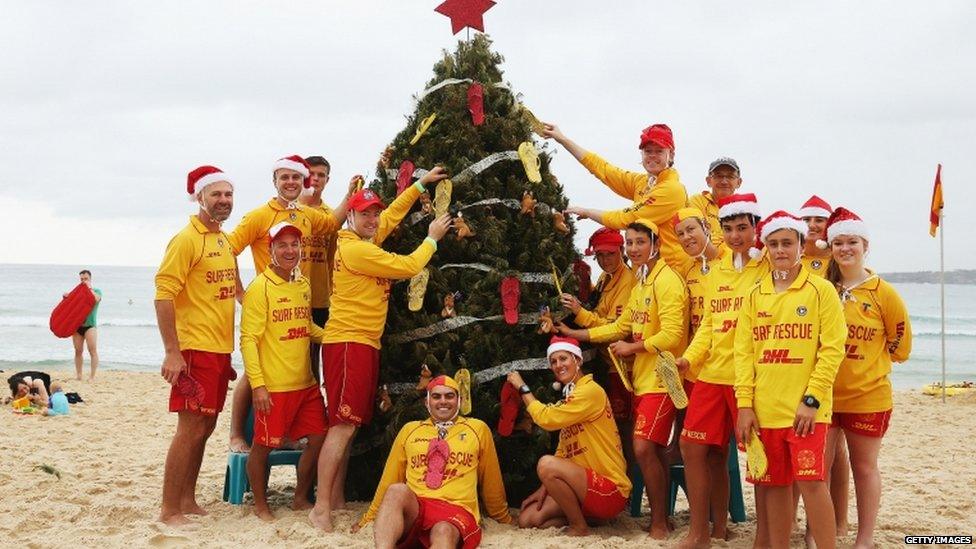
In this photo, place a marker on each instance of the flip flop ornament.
(404, 176)
(417, 289)
(476, 103)
(442, 197)
(667, 371)
(422, 129)
(530, 161)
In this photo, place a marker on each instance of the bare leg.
(652, 462)
(779, 519)
(192, 431)
(547, 515)
(820, 512)
(867, 485)
(240, 406)
(830, 449)
(566, 484)
(306, 472)
(337, 442)
(257, 468)
(840, 479)
(762, 519)
(78, 342)
(718, 475)
(444, 535)
(697, 479)
(397, 513)
(91, 341)
(188, 501)
(338, 492)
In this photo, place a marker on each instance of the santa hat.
(843, 222)
(203, 176)
(815, 207)
(658, 134)
(604, 240)
(738, 204)
(568, 344)
(779, 220)
(295, 163)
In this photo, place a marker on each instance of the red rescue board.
(72, 311)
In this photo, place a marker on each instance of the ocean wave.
(949, 333)
(44, 322)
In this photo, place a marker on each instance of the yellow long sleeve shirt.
(614, 291)
(705, 202)
(787, 345)
(696, 285)
(879, 332)
(658, 200)
(321, 254)
(361, 277)
(656, 316)
(588, 434)
(254, 226)
(198, 274)
(276, 325)
(473, 464)
(712, 349)
(816, 265)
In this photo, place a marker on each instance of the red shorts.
(603, 499)
(621, 400)
(653, 417)
(712, 413)
(294, 414)
(351, 373)
(867, 424)
(791, 457)
(213, 372)
(433, 511)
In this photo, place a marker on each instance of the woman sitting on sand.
(878, 333)
(586, 479)
(34, 385)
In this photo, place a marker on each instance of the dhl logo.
(283, 300)
(778, 356)
(728, 325)
(763, 314)
(726, 288)
(295, 333)
(851, 352)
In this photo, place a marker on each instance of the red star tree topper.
(465, 13)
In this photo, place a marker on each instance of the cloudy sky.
(107, 105)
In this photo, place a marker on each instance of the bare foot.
(321, 519)
(264, 514)
(658, 532)
(175, 520)
(577, 531)
(339, 505)
(191, 508)
(808, 539)
(689, 542)
(239, 446)
(301, 504)
(724, 534)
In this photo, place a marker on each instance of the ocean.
(129, 340)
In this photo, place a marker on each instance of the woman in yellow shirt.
(878, 333)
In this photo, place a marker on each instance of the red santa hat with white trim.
(843, 222)
(742, 204)
(296, 163)
(200, 177)
(779, 220)
(568, 344)
(815, 207)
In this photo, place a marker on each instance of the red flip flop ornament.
(404, 176)
(476, 103)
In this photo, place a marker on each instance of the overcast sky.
(107, 105)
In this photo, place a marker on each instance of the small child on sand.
(59, 402)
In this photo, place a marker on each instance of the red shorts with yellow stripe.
(866, 424)
(213, 372)
(293, 414)
(712, 413)
(793, 457)
(603, 499)
(433, 511)
(351, 374)
(653, 417)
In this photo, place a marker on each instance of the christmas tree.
(515, 230)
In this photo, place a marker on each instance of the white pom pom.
(556, 386)
(308, 191)
(822, 244)
(754, 253)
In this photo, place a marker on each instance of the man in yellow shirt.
(357, 315)
(656, 194)
(723, 180)
(292, 178)
(587, 477)
(320, 252)
(195, 288)
(816, 256)
(428, 494)
(789, 343)
(276, 326)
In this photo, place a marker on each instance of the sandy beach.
(110, 454)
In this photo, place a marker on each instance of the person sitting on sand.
(36, 386)
(276, 326)
(586, 479)
(422, 502)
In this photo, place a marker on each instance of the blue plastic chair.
(235, 477)
(676, 473)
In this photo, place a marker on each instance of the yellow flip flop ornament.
(463, 378)
(756, 460)
(667, 371)
(555, 277)
(417, 289)
(621, 371)
(530, 161)
(442, 197)
(422, 128)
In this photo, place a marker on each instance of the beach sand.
(110, 453)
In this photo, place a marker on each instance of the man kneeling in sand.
(425, 502)
(276, 325)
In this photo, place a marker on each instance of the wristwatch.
(811, 401)
(524, 389)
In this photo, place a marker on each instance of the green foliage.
(505, 239)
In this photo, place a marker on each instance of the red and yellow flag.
(935, 211)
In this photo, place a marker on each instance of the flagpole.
(942, 286)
